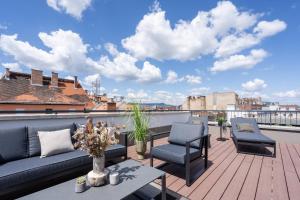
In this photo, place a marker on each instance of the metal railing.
(280, 118)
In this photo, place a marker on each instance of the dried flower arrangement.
(94, 140)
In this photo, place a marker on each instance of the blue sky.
(159, 51)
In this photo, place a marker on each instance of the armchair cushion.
(183, 132)
(199, 121)
(173, 153)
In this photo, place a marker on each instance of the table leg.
(163, 188)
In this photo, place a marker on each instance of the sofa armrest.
(123, 139)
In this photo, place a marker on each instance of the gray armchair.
(186, 143)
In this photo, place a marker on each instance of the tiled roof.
(18, 89)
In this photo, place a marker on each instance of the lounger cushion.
(183, 132)
(173, 153)
(34, 143)
(246, 136)
(245, 127)
(35, 168)
(200, 120)
(13, 144)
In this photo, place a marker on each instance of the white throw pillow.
(55, 142)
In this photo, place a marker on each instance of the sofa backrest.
(13, 144)
(199, 120)
(33, 139)
(183, 132)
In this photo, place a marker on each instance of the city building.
(250, 103)
(102, 102)
(194, 103)
(220, 100)
(22, 91)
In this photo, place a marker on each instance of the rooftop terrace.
(233, 175)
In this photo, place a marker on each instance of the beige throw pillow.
(245, 127)
(55, 142)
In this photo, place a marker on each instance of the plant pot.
(98, 175)
(80, 187)
(140, 147)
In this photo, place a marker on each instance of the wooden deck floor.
(238, 176)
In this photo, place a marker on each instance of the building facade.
(220, 100)
(194, 103)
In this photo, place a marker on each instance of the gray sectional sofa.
(22, 169)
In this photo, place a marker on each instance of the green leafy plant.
(221, 121)
(140, 124)
(81, 180)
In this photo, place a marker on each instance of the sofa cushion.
(13, 144)
(114, 151)
(34, 143)
(183, 132)
(173, 153)
(35, 168)
(55, 142)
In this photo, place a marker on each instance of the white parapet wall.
(157, 119)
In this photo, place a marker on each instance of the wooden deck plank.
(213, 153)
(297, 147)
(186, 191)
(295, 158)
(265, 187)
(280, 191)
(235, 186)
(292, 180)
(250, 185)
(220, 186)
(205, 186)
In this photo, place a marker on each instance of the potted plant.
(222, 124)
(140, 130)
(94, 140)
(80, 185)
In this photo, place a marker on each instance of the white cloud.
(266, 29)
(288, 94)
(193, 79)
(69, 53)
(240, 61)
(155, 38)
(223, 31)
(172, 77)
(235, 43)
(111, 48)
(12, 66)
(137, 95)
(199, 91)
(69, 77)
(123, 67)
(75, 8)
(90, 80)
(254, 85)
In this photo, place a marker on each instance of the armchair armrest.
(196, 138)
(153, 135)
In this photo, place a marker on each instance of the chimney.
(54, 79)
(75, 82)
(7, 74)
(36, 77)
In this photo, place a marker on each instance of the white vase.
(98, 176)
